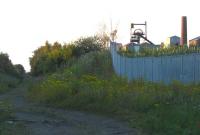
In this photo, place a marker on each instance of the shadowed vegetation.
(10, 75)
(7, 126)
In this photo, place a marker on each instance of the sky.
(27, 24)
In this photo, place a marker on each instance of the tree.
(86, 45)
(103, 35)
(20, 71)
(7, 67)
(49, 57)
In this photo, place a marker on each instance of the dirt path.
(41, 120)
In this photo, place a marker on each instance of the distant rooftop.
(197, 38)
(174, 36)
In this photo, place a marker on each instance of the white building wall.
(172, 41)
(167, 42)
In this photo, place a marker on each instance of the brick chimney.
(183, 30)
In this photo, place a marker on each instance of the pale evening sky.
(27, 24)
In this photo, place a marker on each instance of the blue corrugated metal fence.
(185, 68)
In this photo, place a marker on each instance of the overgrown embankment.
(7, 82)
(10, 77)
(10, 74)
(7, 126)
(90, 84)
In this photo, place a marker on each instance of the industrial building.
(175, 40)
(172, 41)
(195, 41)
(183, 31)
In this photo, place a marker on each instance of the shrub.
(5, 111)
(6, 67)
(6, 116)
(7, 82)
(50, 57)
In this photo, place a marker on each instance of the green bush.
(83, 46)
(5, 111)
(7, 82)
(7, 127)
(50, 57)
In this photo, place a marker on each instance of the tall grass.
(7, 82)
(91, 85)
(7, 126)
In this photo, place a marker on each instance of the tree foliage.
(86, 45)
(50, 57)
(103, 35)
(19, 70)
(7, 67)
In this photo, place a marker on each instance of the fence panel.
(122, 66)
(197, 68)
(188, 68)
(148, 69)
(176, 67)
(134, 68)
(157, 72)
(129, 69)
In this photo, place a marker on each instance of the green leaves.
(5, 111)
(50, 57)
(10, 74)
(86, 45)
(6, 67)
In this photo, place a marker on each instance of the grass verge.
(7, 126)
(7, 82)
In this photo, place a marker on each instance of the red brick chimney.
(183, 30)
